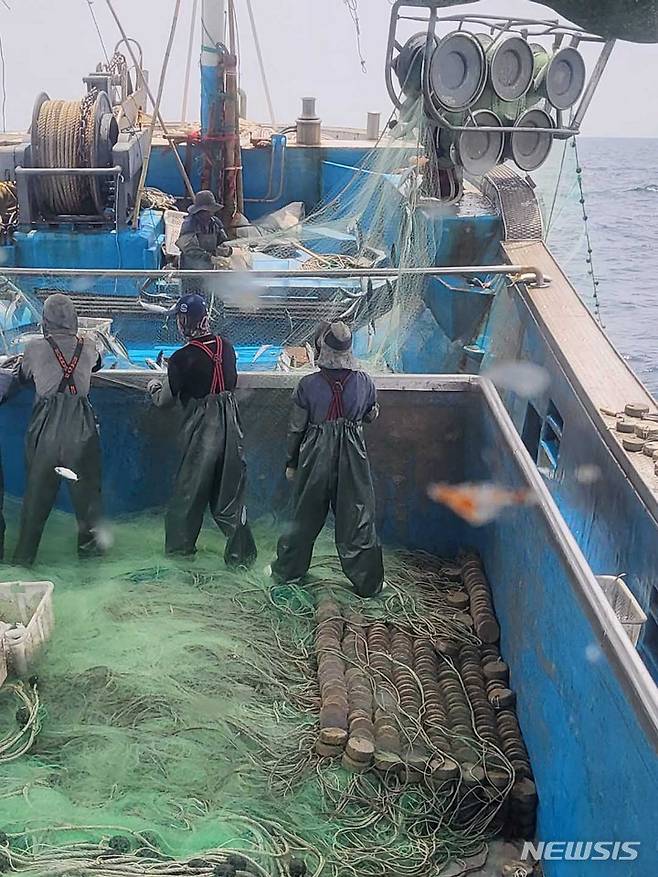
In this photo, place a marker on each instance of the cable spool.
(479, 151)
(458, 72)
(530, 150)
(73, 134)
(559, 77)
(511, 65)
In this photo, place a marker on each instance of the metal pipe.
(271, 198)
(113, 171)
(139, 68)
(595, 78)
(529, 271)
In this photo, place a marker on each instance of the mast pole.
(213, 16)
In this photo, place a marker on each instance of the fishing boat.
(165, 735)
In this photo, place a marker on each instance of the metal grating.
(515, 200)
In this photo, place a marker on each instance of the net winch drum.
(408, 65)
(511, 66)
(528, 149)
(58, 139)
(458, 72)
(559, 77)
(479, 151)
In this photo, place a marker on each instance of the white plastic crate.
(626, 607)
(26, 612)
(86, 325)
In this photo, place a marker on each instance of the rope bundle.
(64, 138)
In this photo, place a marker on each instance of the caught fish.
(69, 474)
(479, 503)
(261, 350)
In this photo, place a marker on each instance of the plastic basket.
(87, 325)
(26, 613)
(626, 607)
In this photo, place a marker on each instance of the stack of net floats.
(436, 711)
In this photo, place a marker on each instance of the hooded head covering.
(59, 316)
(336, 349)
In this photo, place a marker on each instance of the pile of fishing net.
(179, 716)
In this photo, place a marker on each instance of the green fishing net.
(180, 713)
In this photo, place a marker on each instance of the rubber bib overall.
(62, 432)
(212, 471)
(334, 473)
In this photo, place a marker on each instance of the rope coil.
(63, 136)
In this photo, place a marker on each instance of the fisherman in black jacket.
(202, 375)
(329, 468)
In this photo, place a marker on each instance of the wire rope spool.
(559, 77)
(408, 65)
(529, 149)
(511, 64)
(480, 151)
(72, 134)
(458, 72)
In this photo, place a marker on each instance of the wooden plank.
(600, 376)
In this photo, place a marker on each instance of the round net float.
(632, 443)
(360, 749)
(646, 431)
(564, 79)
(636, 409)
(458, 600)
(333, 737)
(443, 770)
(624, 425)
(480, 151)
(326, 751)
(511, 65)
(529, 149)
(650, 449)
(497, 670)
(354, 766)
(458, 71)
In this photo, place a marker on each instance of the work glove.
(290, 473)
(154, 386)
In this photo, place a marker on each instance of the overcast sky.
(309, 48)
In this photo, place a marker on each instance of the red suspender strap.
(68, 368)
(217, 357)
(336, 409)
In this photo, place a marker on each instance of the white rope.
(261, 65)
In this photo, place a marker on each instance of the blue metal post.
(213, 15)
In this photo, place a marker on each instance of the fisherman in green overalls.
(62, 433)
(202, 376)
(329, 468)
(202, 237)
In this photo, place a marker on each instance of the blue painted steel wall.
(615, 530)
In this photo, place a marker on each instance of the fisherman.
(62, 433)
(8, 383)
(202, 237)
(202, 375)
(328, 465)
